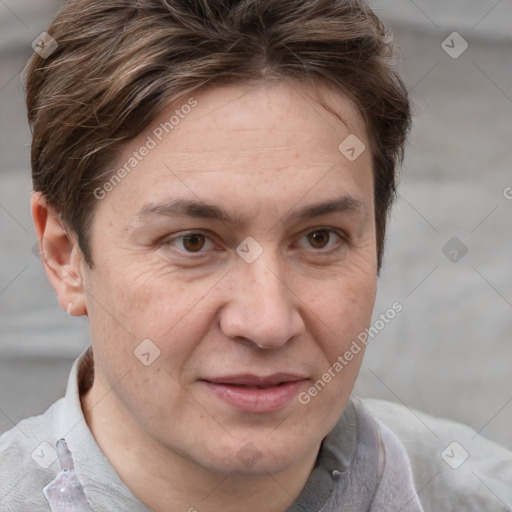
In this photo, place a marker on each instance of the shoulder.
(454, 467)
(28, 461)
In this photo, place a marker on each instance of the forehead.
(253, 146)
(264, 116)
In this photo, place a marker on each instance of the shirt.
(375, 459)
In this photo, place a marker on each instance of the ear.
(61, 256)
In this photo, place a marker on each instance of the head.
(261, 111)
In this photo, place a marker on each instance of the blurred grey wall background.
(449, 246)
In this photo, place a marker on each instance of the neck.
(165, 480)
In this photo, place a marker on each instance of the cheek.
(346, 308)
(145, 299)
(343, 308)
(146, 302)
(138, 317)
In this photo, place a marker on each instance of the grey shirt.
(362, 464)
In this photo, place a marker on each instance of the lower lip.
(257, 399)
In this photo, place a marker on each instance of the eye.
(191, 243)
(321, 237)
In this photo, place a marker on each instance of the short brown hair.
(118, 63)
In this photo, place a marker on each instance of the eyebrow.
(201, 210)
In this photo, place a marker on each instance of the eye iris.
(317, 236)
(193, 238)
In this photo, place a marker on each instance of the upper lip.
(256, 380)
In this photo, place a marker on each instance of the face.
(223, 287)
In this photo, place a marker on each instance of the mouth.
(257, 394)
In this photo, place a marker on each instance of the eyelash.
(340, 234)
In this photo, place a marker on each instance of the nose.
(262, 308)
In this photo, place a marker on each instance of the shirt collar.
(98, 477)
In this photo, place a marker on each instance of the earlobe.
(60, 255)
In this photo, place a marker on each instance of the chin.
(250, 458)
